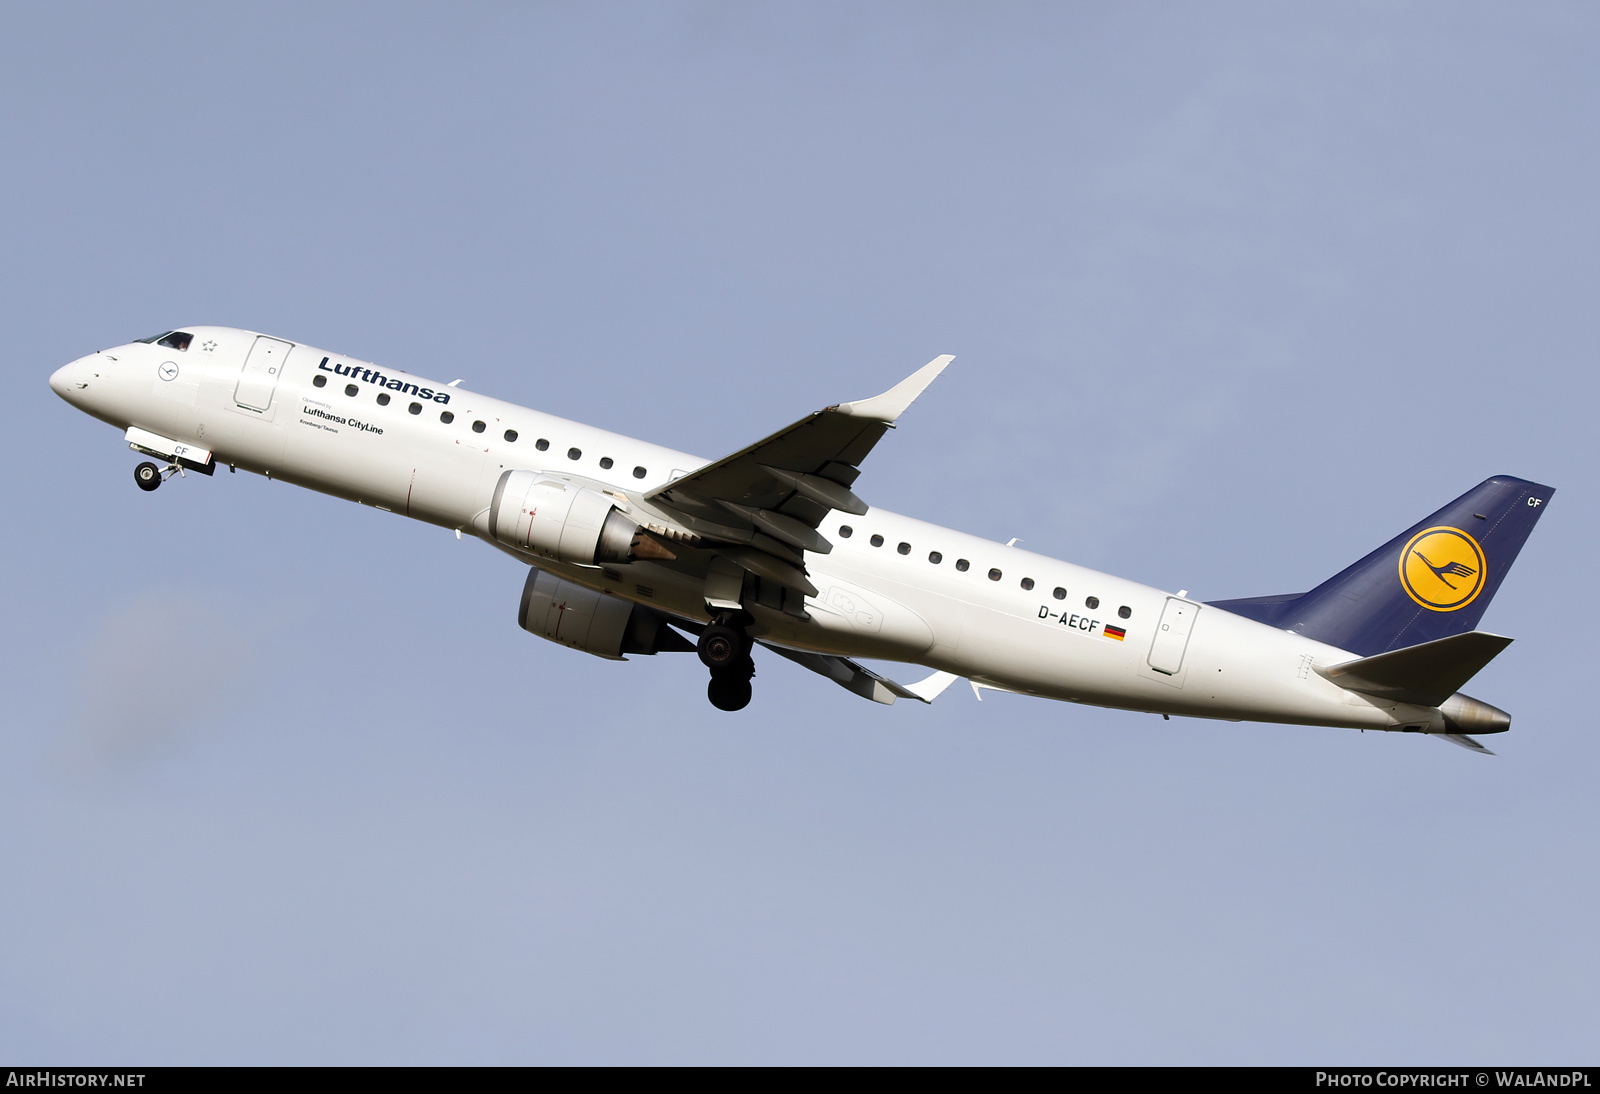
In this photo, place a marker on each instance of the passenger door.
(1172, 636)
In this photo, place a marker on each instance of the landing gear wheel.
(147, 475)
(729, 692)
(721, 647)
(724, 648)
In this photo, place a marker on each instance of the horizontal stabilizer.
(1425, 674)
(1464, 741)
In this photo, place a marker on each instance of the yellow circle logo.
(1442, 569)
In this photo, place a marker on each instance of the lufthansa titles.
(337, 419)
(373, 376)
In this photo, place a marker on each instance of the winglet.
(892, 403)
(930, 689)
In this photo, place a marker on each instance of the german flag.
(1115, 632)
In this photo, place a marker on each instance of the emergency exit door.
(261, 370)
(1172, 636)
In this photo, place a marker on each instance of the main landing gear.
(724, 648)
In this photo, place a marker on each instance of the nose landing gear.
(147, 475)
(724, 648)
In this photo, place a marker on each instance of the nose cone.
(72, 381)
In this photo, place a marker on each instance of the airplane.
(636, 549)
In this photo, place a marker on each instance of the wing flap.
(825, 492)
(765, 564)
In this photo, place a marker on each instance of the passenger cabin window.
(963, 565)
(383, 398)
(446, 417)
(1091, 602)
(1027, 583)
(511, 436)
(178, 340)
(1124, 611)
(319, 380)
(574, 453)
(351, 390)
(877, 541)
(638, 472)
(935, 557)
(478, 427)
(606, 463)
(415, 408)
(1060, 593)
(994, 575)
(542, 445)
(904, 548)
(846, 531)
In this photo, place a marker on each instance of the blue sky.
(1237, 292)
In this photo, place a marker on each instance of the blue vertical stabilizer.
(1432, 581)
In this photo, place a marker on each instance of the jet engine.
(593, 622)
(564, 521)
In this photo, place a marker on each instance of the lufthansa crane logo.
(1442, 569)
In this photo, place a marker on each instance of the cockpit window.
(176, 339)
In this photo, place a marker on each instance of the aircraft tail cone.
(1464, 714)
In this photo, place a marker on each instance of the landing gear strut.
(724, 648)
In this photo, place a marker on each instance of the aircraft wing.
(862, 680)
(773, 495)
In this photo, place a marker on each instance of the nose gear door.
(259, 377)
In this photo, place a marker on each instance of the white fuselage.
(984, 611)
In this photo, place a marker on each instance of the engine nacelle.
(560, 520)
(593, 622)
